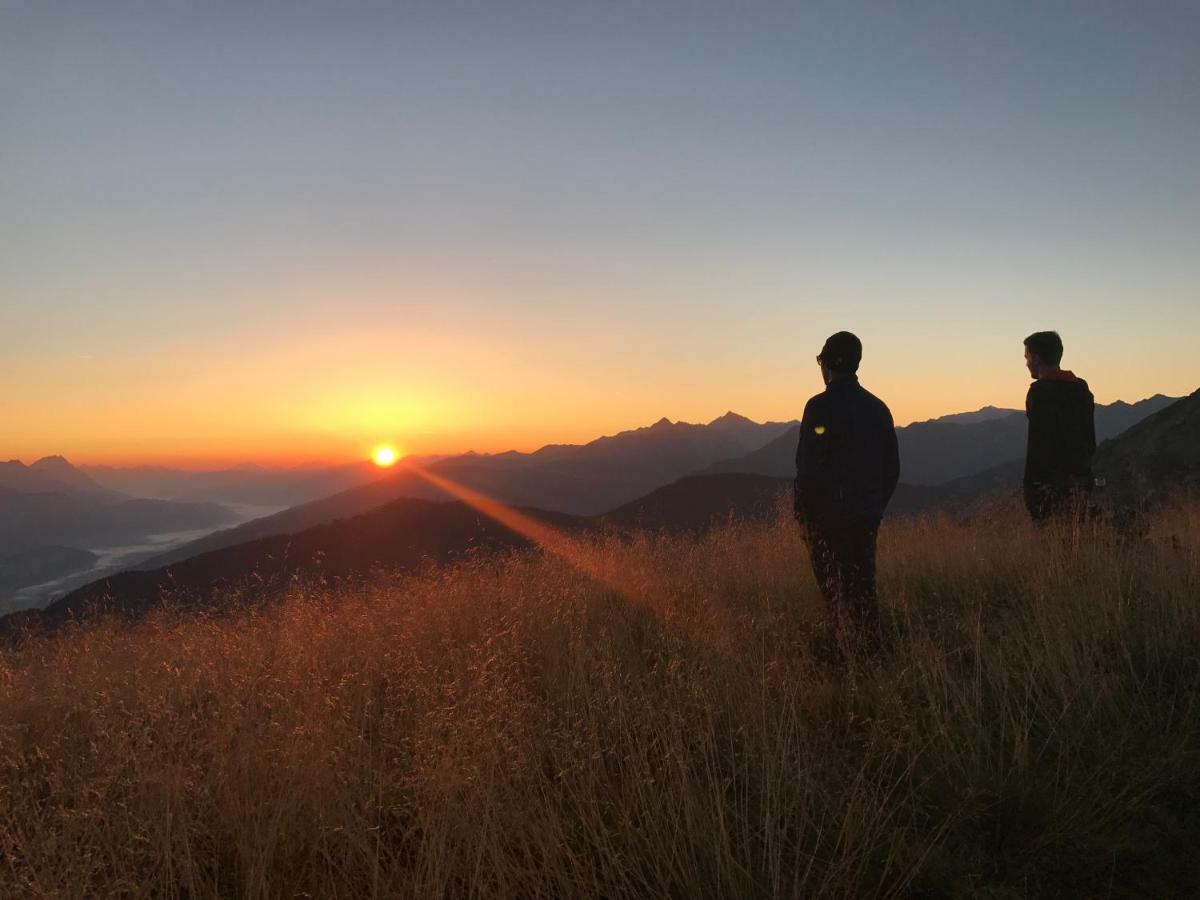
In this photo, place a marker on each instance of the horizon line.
(222, 463)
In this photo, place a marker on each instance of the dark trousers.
(843, 560)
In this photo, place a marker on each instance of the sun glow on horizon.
(384, 456)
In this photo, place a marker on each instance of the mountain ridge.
(937, 451)
(54, 474)
(1156, 458)
(580, 479)
(407, 533)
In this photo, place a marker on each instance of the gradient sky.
(293, 231)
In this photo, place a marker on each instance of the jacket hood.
(1060, 375)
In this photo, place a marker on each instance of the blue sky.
(541, 222)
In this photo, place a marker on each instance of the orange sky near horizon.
(313, 390)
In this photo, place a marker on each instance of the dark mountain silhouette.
(290, 541)
(590, 478)
(776, 459)
(405, 534)
(1161, 454)
(628, 466)
(983, 414)
(399, 483)
(939, 451)
(53, 474)
(577, 478)
(1157, 458)
(699, 501)
(401, 536)
(959, 495)
(32, 520)
(582, 479)
(1152, 460)
(935, 452)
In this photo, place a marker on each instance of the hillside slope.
(584, 479)
(401, 536)
(700, 501)
(1157, 458)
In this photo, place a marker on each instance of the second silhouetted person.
(1062, 433)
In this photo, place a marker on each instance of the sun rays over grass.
(660, 722)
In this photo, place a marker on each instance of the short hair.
(842, 353)
(1046, 346)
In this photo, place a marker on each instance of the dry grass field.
(661, 718)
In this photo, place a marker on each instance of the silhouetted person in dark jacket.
(847, 466)
(1062, 433)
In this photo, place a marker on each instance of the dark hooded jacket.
(1062, 440)
(848, 459)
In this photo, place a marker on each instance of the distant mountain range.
(591, 478)
(246, 485)
(53, 504)
(52, 515)
(53, 474)
(586, 479)
(1158, 456)
(611, 471)
(581, 479)
(950, 448)
(638, 476)
(983, 414)
(698, 501)
(621, 469)
(1155, 459)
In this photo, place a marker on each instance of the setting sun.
(384, 456)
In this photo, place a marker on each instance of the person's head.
(1043, 353)
(840, 356)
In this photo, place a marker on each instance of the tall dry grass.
(670, 724)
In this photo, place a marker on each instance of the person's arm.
(1091, 429)
(890, 456)
(1038, 453)
(1039, 449)
(804, 465)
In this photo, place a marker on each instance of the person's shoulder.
(873, 400)
(1084, 400)
(1038, 389)
(816, 402)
